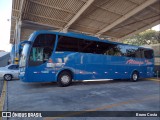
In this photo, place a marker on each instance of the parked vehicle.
(63, 57)
(9, 72)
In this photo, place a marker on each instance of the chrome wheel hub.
(135, 77)
(65, 79)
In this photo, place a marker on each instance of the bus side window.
(139, 53)
(114, 51)
(131, 51)
(110, 51)
(67, 44)
(148, 54)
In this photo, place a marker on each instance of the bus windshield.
(42, 49)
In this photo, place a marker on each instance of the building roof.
(115, 19)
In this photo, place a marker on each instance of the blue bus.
(63, 57)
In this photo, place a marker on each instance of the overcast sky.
(5, 15)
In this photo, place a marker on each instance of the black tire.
(64, 79)
(135, 76)
(7, 77)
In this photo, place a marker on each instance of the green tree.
(144, 38)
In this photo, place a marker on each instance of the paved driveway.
(113, 96)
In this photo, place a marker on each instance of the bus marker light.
(44, 71)
(36, 72)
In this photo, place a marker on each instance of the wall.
(4, 57)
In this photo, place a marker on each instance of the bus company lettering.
(131, 61)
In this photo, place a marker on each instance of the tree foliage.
(144, 38)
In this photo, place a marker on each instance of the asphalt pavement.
(1, 85)
(121, 95)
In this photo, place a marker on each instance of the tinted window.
(139, 53)
(148, 54)
(111, 49)
(131, 51)
(96, 47)
(67, 44)
(87, 46)
(13, 67)
(123, 50)
(79, 45)
(42, 49)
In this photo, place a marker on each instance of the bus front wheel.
(135, 76)
(64, 79)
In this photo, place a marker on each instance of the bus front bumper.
(21, 76)
(35, 77)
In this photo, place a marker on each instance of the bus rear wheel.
(64, 79)
(135, 76)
